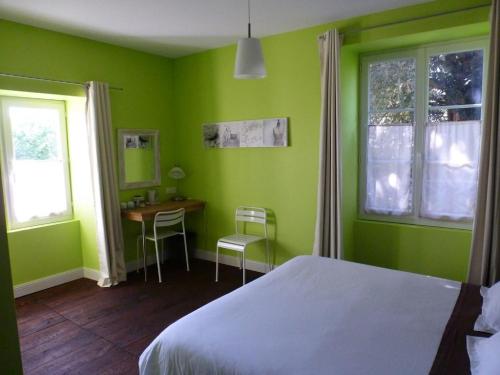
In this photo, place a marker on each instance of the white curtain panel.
(107, 206)
(450, 170)
(328, 234)
(484, 267)
(389, 162)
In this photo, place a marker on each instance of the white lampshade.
(176, 173)
(249, 60)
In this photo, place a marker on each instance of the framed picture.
(251, 133)
(144, 141)
(131, 141)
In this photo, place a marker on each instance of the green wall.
(145, 102)
(432, 251)
(45, 250)
(285, 179)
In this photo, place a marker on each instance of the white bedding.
(312, 315)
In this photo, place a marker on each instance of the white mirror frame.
(155, 134)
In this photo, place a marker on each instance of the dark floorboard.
(79, 328)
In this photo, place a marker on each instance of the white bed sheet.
(312, 315)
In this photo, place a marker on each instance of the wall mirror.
(138, 158)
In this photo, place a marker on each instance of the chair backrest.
(251, 215)
(169, 218)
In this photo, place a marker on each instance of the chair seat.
(162, 234)
(240, 240)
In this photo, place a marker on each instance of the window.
(35, 161)
(421, 130)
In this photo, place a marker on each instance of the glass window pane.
(454, 115)
(38, 183)
(451, 170)
(389, 170)
(453, 135)
(35, 133)
(392, 84)
(389, 154)
(387, 118)
(456, 78)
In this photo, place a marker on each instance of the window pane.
(454, 115)
(456, 78)
(392, 85)
(389, 169)
(388, 118)
(451, 170)
(389, 154)
(452, 136)
(38, 175)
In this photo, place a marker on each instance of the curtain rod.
(11, 75)
(353, 31)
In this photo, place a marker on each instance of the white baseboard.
(47, 282)
(90, 273)
(231, 260)
(131, 266)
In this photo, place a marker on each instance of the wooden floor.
(79, 328)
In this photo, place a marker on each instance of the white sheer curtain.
(389, 169)
(107, 206)
(449, 182)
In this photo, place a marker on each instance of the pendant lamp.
(249, 59)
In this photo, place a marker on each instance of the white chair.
(162, 221)
(239, 241)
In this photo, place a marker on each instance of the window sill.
(423, 223)
(41, 226)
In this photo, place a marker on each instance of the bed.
(315, 315)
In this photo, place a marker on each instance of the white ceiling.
(179, 27)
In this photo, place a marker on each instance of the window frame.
(7, 158)
(422, 55)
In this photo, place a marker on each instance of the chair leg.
(186, 251)
(217, 264)
(158, 261)
(162, 251)
(144, 260)
(243, 262)
(240, 256)
(268, 256)
(137, 254)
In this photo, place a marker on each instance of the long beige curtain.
(328, 234)
(484, 268)
(107, 205)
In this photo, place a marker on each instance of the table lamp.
(176, 173)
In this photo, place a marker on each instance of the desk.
(143, 214)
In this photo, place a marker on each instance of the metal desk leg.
(205, 225)
(144, 250)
